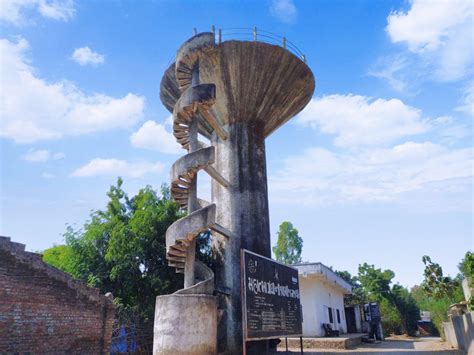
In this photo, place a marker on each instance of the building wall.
(42, 310)
(358, 318)
(459, 332)
(316, 297)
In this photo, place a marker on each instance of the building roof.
(321, 270)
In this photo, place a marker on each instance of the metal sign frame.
(244, 299)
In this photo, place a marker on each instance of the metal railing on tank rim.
(252, 34)
(241, 33)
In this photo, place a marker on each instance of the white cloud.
(321, 176)
(42, 155)
(37, 156)
(440, 32)
(46, 175)
(358, 120)
(284, 10)
(57, 9)
(58, 156)
(116, 167)
(154, 136)
(467, 102)
(427, 24)
(33, 109)
(13, 11)
(85, 55)
(390, 68)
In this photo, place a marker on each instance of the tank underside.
(262, 84)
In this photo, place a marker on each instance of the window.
(338, 316)
(330, 315)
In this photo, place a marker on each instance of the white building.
(322, 298)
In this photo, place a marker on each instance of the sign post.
(270, 298)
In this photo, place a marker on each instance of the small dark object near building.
(44, 310)
(329, 332)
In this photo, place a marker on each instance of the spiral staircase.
(192, 108)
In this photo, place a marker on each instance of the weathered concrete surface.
(170, 94)
(184, 170)
(188, 55)
(204, 281)
(243, 209)
(193, 315)
(202, 94)
(343, 342)
(258, 87)
(459, 332)
(398, 345)
(186, 229)
(186, 322)
(258, 83)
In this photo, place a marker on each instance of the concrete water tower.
(235, 94)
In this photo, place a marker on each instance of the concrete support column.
(243, 209)
(189, 266)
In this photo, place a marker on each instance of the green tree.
(435, 283)
(392, 322)
(399, 310)
(61, 257)
(375, 282)
(122, 250)
(407, 308)
(438, 292)
(204, 251)
(358, 295)
(289, 244)
(466, 266)
(437, 306)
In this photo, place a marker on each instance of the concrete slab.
(392, 346)
(344, 341)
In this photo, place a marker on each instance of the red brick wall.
(43, 310)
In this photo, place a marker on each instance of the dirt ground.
(392, 345)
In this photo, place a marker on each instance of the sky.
(377, 168)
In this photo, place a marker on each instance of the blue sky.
(378, 168)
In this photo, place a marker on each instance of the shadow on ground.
(422, 346)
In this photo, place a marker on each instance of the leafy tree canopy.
(61, 257)
(289, 244)
(407, 307)
(466, 267)
(122, 250)
(435, 283)
(375, 282)
(399, 310)
(358, 295)
(437, 292)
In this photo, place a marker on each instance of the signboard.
(270, 298)
(372, 312)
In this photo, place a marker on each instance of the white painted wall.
(358, 319)
(317, 294)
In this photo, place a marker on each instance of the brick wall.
(42, 309)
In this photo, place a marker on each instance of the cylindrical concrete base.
(185, 325)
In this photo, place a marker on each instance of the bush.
(438, 307)
(391, 319)
(407, 307)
